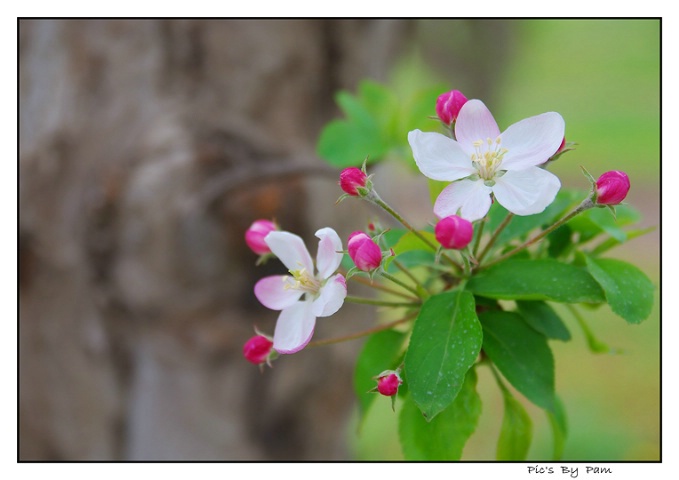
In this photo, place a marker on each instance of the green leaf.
(444, 437)
(521, 354)
(628, 290)
(382, 351)
(612, 242)
(410, 241)
(516, 432)
(559, 424)
(597, 221)
(544, 319)
(346, 144)
(543, 279)
(444, 344)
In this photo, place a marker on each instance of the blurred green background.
(603, 76)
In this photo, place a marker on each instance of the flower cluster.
(447, 279)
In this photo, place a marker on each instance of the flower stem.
(420, 286)
(375, 198)
(495, 236)
(363, 333)
(479, 234)
(379, 286)
(380, 303)
(585, 205)
(401, 283)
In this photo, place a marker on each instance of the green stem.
(380, 303)
(363, 333)
(495, 236)
(383, 288)
(375, 198)
(585, 205)
(479, 234)
(401, 284)
(420, 286)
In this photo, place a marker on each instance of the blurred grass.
(603, 76)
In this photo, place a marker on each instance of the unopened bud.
(454, 232)
(351, 179)
(258, 349)
(612, 187)
(255, 235)
(365, 253)
(448, 106)
(388, 383)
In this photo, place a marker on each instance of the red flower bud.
(257, 349)
(352, 178)
(448, 106)
(454, 232)
(365, 253)
(612, 187)
(255, 235)
(388, 384)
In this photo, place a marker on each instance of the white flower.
(483, 161)
(323, 293)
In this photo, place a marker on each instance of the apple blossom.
(365, 253)
(448, 106)
(454, 232)
(612, 187)
(323, 292)
(254, 236)
(484, 161)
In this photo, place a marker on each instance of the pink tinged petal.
(329, 255)
(475, 122)
(290, 249)
(526, 192)
(439, 157)
(276, 292)
(466, 198)
(294, 328)
(532, 141)
(331, 297)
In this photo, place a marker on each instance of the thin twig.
(364, 333)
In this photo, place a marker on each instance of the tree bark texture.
(147, 147)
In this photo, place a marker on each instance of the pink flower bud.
(612, 187)
(388, 384)
(365, 253)
(448, 106)
(255, 235)
(257, 349)
(454, 232)
(351, 178)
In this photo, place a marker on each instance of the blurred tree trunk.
(146, 149)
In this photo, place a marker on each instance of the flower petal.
(290, 249)
(331, 297)
(439, 157)
(329, 255)
(526, 192)
(275, 292)
(294, 328)
(532, 141)
(475, 122)
(470, 198)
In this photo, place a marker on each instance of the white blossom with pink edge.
(483, 161)
(323, 292)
